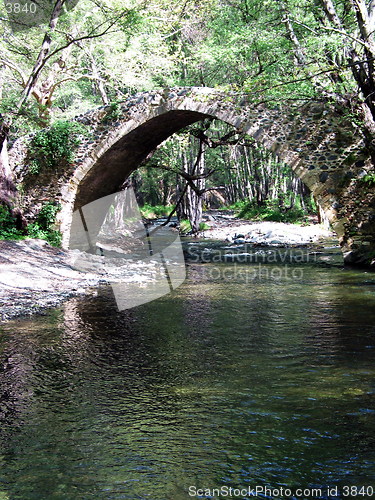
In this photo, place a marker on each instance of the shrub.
(55, 145)
(153, 212)
(271, 212)
(47, 215)
(236, 206)
(369, 180)
(113, 112)
(185, 226)
(51, 235)
(43, 226)
(8, 229)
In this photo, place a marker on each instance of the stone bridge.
(319, 140)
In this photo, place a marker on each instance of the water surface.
(246, 375)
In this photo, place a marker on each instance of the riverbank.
(35, 276)
(223, 225)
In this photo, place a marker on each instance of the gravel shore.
(35, 276)
(226, 227)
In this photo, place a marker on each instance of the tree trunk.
(330, 12)
(195, 205)
(8, 190)
(98, 81)
(299, 53)
(43, 53)
(7, 187)
(191, 206)
(362, 65)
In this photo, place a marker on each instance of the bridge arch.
(316, 139)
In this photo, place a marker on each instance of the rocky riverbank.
(224, 226)
(35, 276)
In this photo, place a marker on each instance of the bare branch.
(313, 75)
(14, 67)
(45, 55)
(346, 35)
(182, 173)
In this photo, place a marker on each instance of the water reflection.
(221, 383)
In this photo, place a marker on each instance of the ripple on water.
(233, 382)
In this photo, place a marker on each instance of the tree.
(39, 68)
(65, 54)
(359, 53)
(212, 157)
(272, 50)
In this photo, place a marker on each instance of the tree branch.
(14, 67)
(43, 53)
(345, 34)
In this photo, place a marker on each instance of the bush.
(8, 229)
(113, 112)
(271, 212)
(368, 180)
(185, 226)
(55, 145)
(154, 212)
(47, 215)
(236, 206)
(42, 227)
(51, 235)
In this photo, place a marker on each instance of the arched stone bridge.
(318, 140)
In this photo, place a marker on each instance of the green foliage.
(369, 180)
(354, 117)
(270, 211)
(113, 113)
(73, 99)
(239, 172)
(24, 122)
(185, 226)
(240, 45)
(55, 146)
(52, 236)
(154, 212)
(203, 226)
(8, 230)
(34, 167)
(237, 206)
(43, 226)
(47, 214)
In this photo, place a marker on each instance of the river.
(246, 376)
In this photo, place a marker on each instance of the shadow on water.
(239, 378)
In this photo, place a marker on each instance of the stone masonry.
(319, 140)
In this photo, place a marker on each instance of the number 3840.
(357, 491)
(17, 8)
